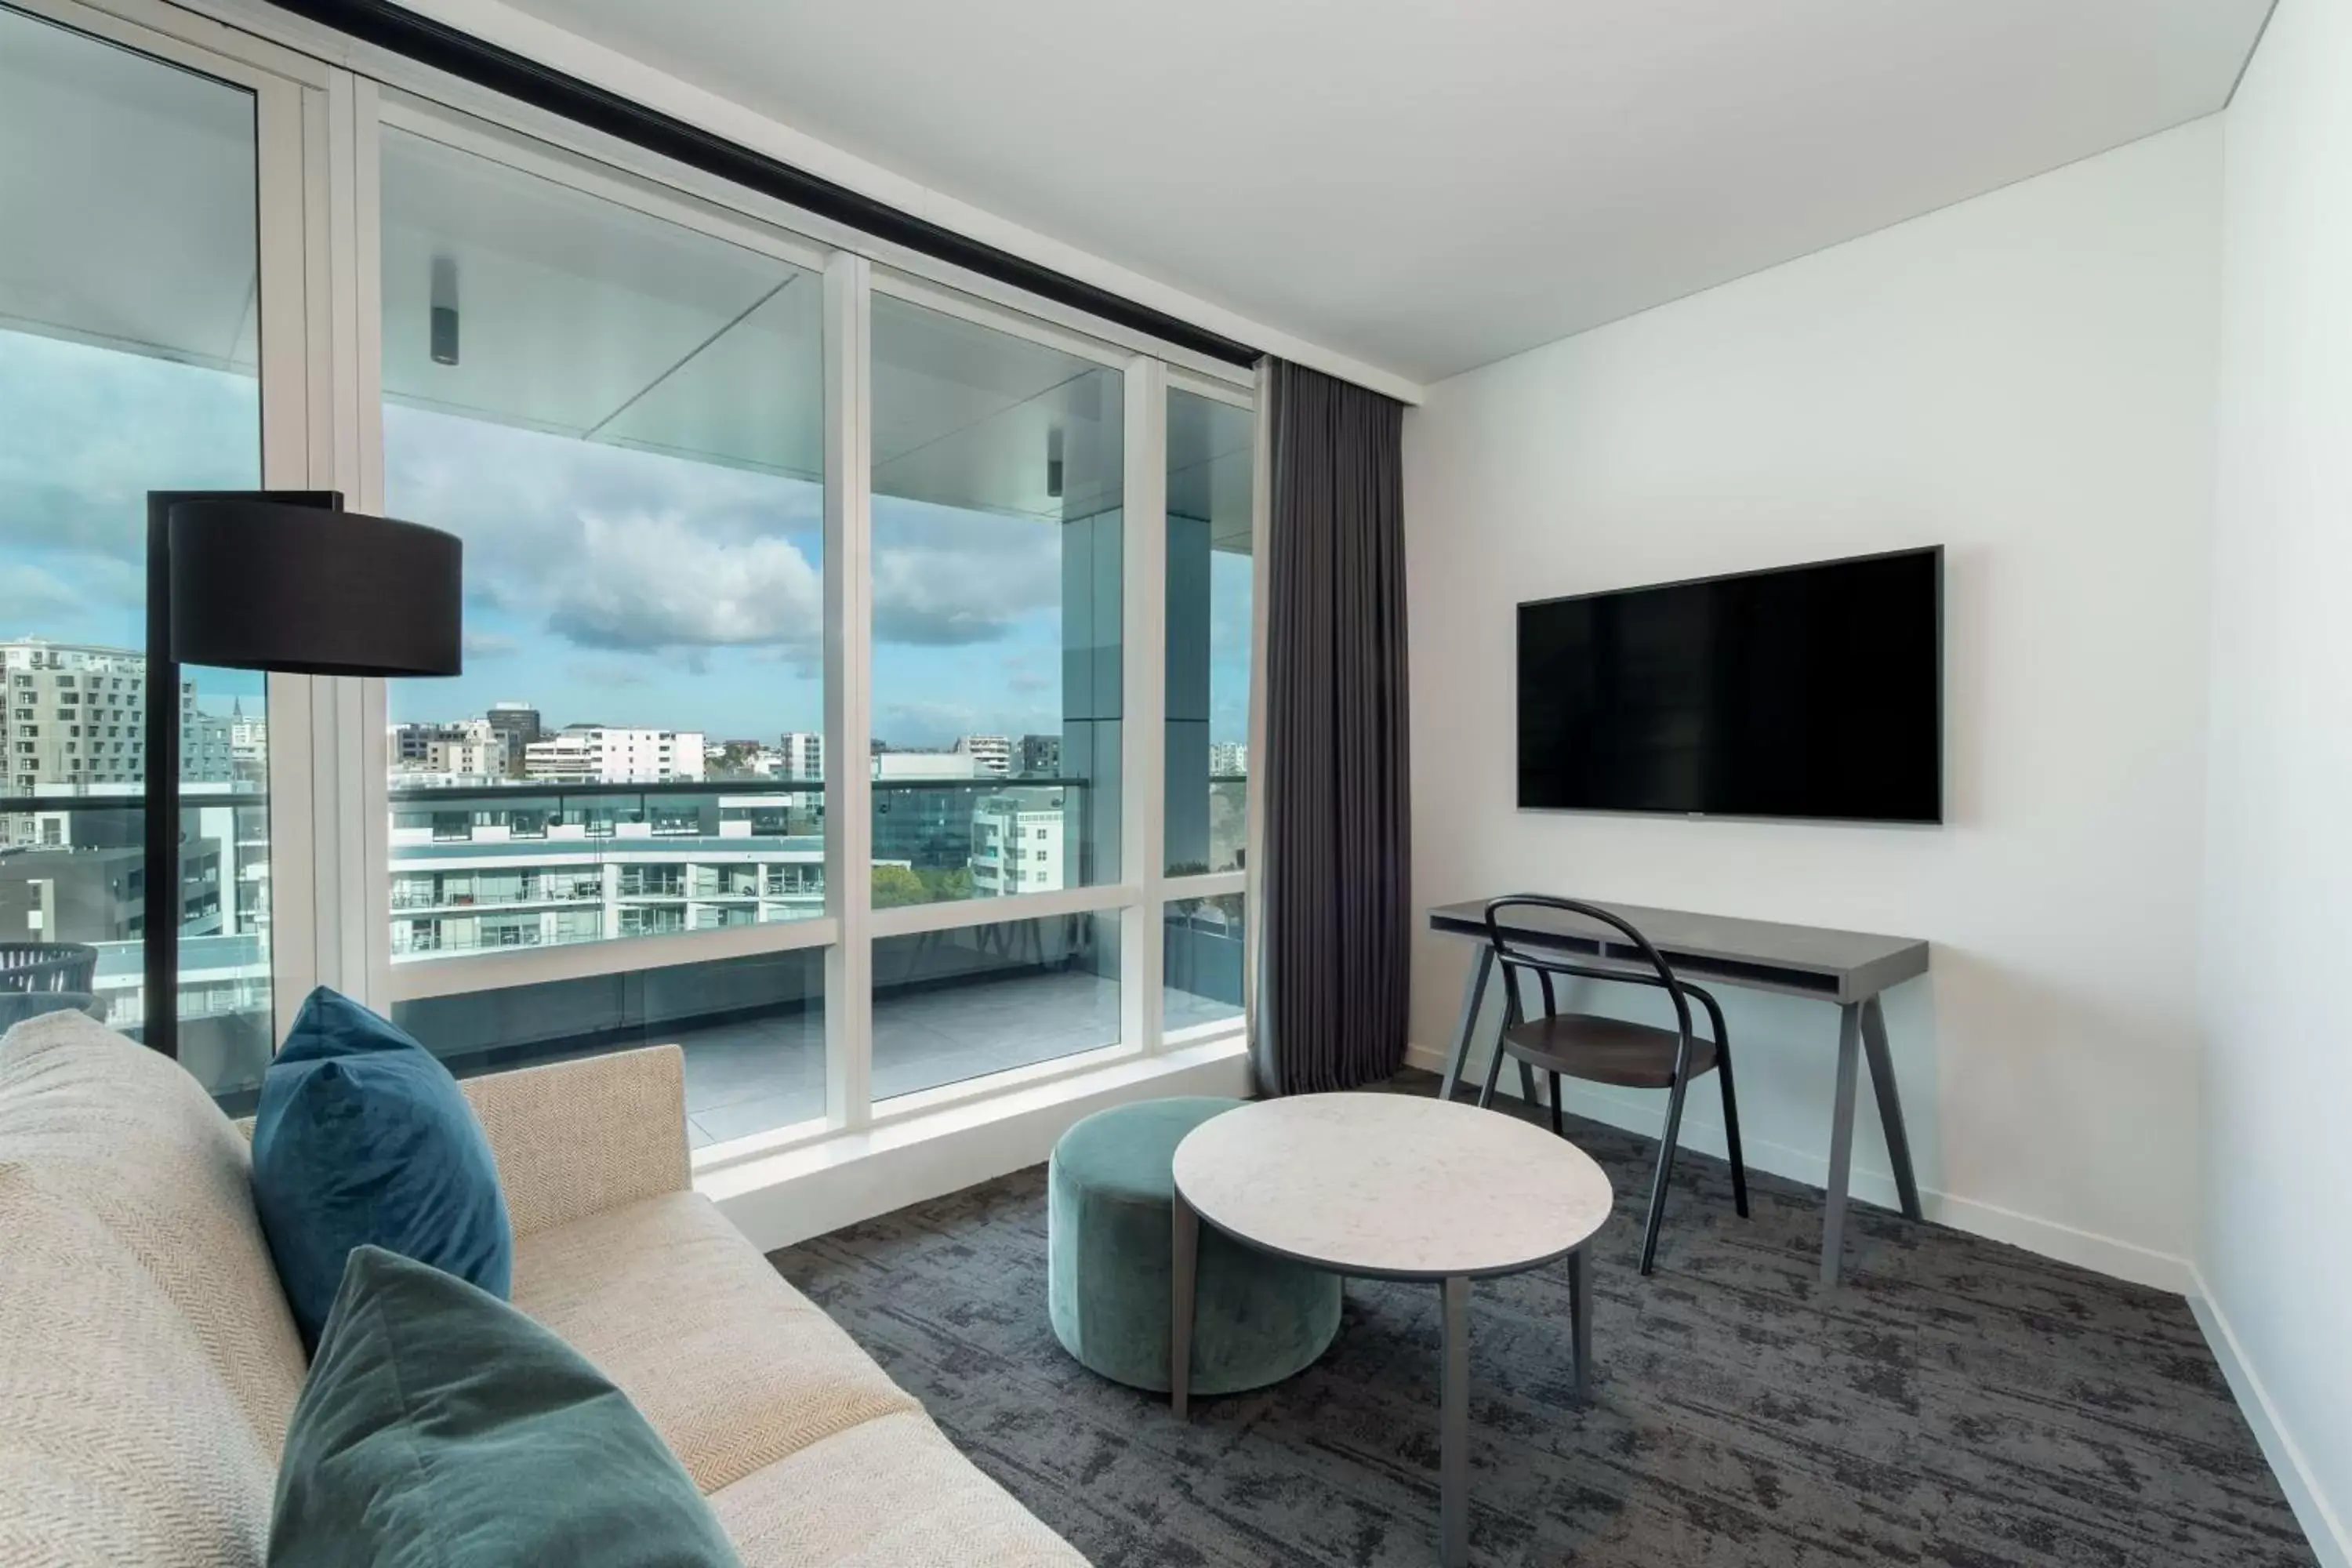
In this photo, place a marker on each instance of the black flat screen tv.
(1805, 692)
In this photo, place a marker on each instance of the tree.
(898, 884)
(949, 885)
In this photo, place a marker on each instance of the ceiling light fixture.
(444, 310)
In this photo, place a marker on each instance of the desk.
(1851, 969)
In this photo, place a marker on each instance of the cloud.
(490, 645)
(1019, 677)
(660, 581)
(32, 602)
(614, 549)
(926, 723)
(944, 578)
(605, 672)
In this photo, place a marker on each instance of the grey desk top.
(1805, 961)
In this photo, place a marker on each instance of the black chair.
(1610, 1050)
(29, 967)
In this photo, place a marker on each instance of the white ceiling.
(1429, 186)
(108, 161)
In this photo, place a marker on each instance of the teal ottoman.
(1108, 1191)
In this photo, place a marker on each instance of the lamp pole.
(160, 932)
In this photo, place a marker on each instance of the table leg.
(1579, 1322)
(1453, 1429)
(1184, 1253)
(1841, 1142)
(1890, 1106)
(1473, 991)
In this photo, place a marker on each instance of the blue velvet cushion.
(363, 1138)
(441, 1428)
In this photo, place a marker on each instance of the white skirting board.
(2330, 1541)
(2104, 1255)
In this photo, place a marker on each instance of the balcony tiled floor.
(748, 1076)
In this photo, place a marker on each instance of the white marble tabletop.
(1395, 1186)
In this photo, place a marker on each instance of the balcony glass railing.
(479, 868)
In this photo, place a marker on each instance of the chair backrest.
(1517, 953)
(33, 966)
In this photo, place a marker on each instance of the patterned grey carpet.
(1958, 1403)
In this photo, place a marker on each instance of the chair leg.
(1557, 1129)
(1731, 1130)
(1510, 1016)
(1493, 1072)
(1665, 1169)
(1527, 1085)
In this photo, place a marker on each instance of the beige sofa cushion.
(891, 1493)
(734, 1367)
(135, 1142)
(119, 1441)
(572, 1139)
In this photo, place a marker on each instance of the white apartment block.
(474, 880)
(598, 753)
(803, 754)
(1228, 760)
(990, 753)
(248, 741)
(1016, 848)
(474, 757)
(897, 766)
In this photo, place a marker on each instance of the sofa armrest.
(576, 1138)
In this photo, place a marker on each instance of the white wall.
(2028, 379)
(2277, 1249)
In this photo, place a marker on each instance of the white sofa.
(147, 1365)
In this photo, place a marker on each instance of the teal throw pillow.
(364, 1138)
(442, 1428)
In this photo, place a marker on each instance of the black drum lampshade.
(268, 585)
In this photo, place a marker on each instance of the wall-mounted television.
(1803, 692)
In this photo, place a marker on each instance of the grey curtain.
(1335, 887)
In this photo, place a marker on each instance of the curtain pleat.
(1336, 890)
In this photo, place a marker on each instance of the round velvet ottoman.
(1257, 1319)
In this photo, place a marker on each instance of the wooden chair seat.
(1605, 1050)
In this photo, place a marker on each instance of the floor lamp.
(285, 581)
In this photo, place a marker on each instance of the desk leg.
(1841, 1142)
(1473, 991)
(1890, 1106)
(1453, 1430)
(1184, 1254)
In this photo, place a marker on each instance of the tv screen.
(1806, 691)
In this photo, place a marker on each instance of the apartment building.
(601, 753)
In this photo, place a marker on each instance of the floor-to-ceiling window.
(613, 829)
(621, 413)
(998, 691)
(130, 360)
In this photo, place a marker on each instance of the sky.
(604, 584)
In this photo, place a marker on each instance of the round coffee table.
(1389, 1186)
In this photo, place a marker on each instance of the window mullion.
(1260, 606)
(848, 689)
(1143, 699)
